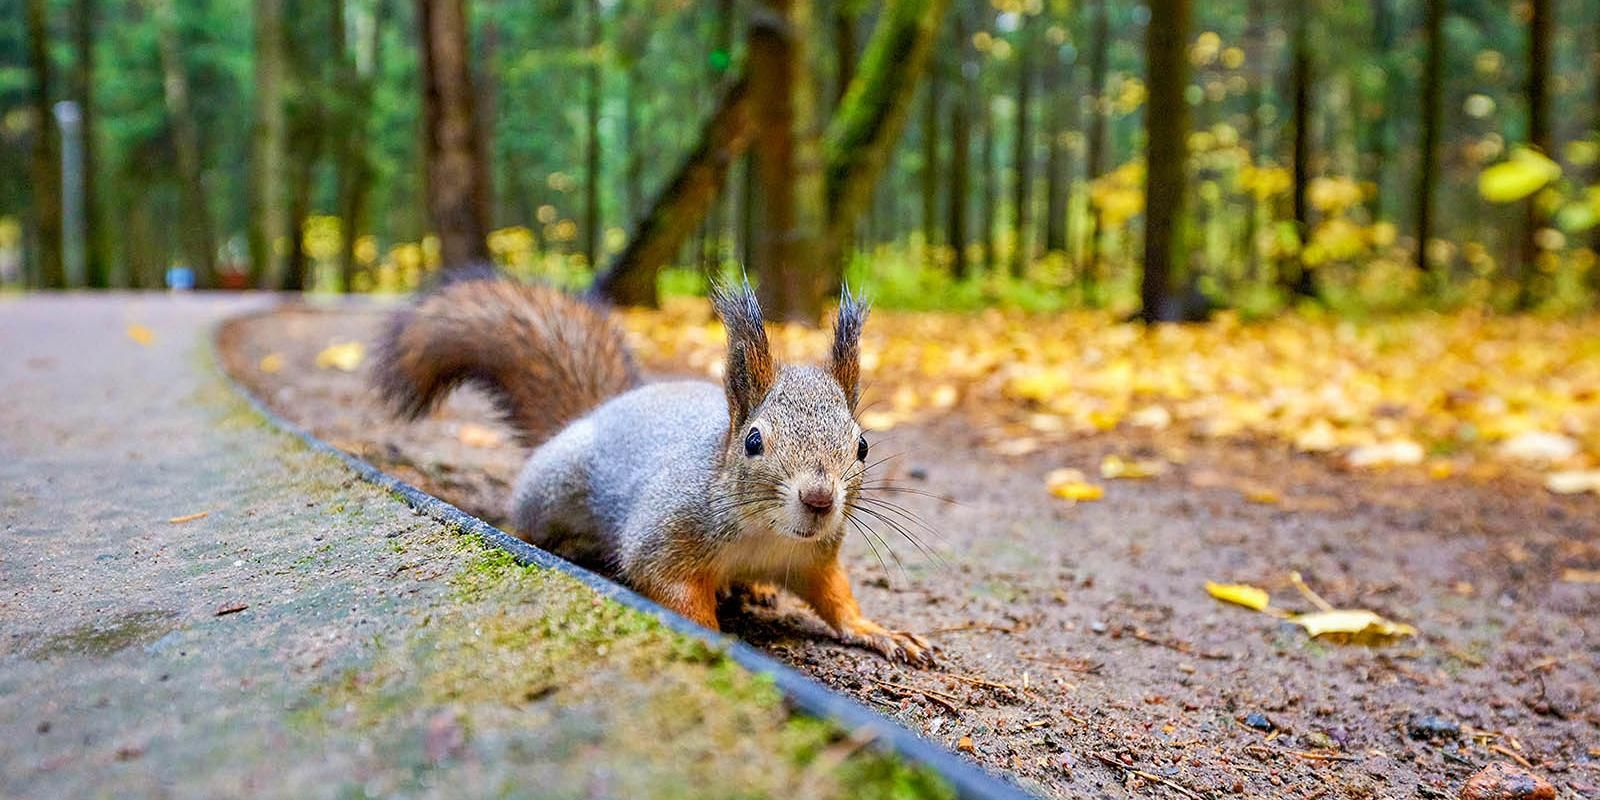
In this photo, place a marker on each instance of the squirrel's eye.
(752, 443)
(861, 448)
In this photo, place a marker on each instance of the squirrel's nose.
(817, 498)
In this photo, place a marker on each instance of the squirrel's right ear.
(750, 371)
(845, 356)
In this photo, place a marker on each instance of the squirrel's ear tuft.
(750, 371)
(845, 361)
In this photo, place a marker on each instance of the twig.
(1306, 754)
(947, 700)
(1150, 776)
(974, 626)
(188, 518)
(1181, 647)
(1511, 754)
(981, 682)
(1312, 597)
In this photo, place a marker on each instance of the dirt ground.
(1078, 648)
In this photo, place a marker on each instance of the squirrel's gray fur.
(653, 483)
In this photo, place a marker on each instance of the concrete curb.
(969, 780)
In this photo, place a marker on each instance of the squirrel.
(683, 490)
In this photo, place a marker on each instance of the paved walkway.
(309, 636)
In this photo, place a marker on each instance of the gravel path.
(1080, 652)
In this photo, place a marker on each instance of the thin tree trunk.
(1376, 126)
(633, 166)
(1057, 170)
(267, 225)
(1539, 30)
(1432, 78)
(1022, 198)
(1167, 74)
(201, 243)
(591, 195)
(355, 183)
(96, 251)
(1305, 282)
(789, 162)
(929, 174)
(1255, 131)
(305, 145)
(990, 192)
(844, 49)
(46, 154)
(1098, 43)
(456, 170)
(960, 144)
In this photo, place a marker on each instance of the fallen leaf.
(188, 517)
(473, 435)
(1400, 452)
(141, 334)
(1251, 597)
(1525, 172)
(1352, 626)
(1116, 467)
(1319, 437)
(1069, 484)
(965, 744)
(1261, 496)
(1017, 446)
(229, 608)
(345, 356)
(1573, 481)
(1539, 446)
(271, 363)
(1570, 575)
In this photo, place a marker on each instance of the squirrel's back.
(544, 356)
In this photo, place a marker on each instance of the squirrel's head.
(794, 451)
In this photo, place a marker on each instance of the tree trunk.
(1096, 123)
(1166, 153)
(456, 170)
(96, 246)
(633, 161)
(929, 173)
(1432, 93)
(267, 224)
(960, 122)
(1305, 282)
(990, 192)
(1022, 250)
(201, 243)
(1255, 131)
(1375, 123)
(591, 191)
(1539, 28)
(788, 162)
(1058, 178)
(673, 216)
(46, 154)
(356, 169)
(844, 49)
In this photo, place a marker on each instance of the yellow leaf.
(141, 334)
(345, 356)
(1115, 467)
(1352, 626)
(271, 363)
(1262, 496)
(1069, 484)
(1570, 575)
(1251, 597)
(1526, 172)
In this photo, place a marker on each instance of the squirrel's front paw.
(893, 645)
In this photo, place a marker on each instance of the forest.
(1159, 159)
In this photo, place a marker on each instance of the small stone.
(1427, 728)
(1500, 781)
(918, 473)
(1260, 722)
(1317, 740)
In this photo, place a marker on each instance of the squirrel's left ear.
(845, 361)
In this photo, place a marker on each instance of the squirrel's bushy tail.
(545, 357)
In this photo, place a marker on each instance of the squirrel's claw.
(901, 646)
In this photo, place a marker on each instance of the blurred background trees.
(1153, 158)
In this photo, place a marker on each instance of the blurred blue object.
(180, 279)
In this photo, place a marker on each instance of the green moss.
(104, 637)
